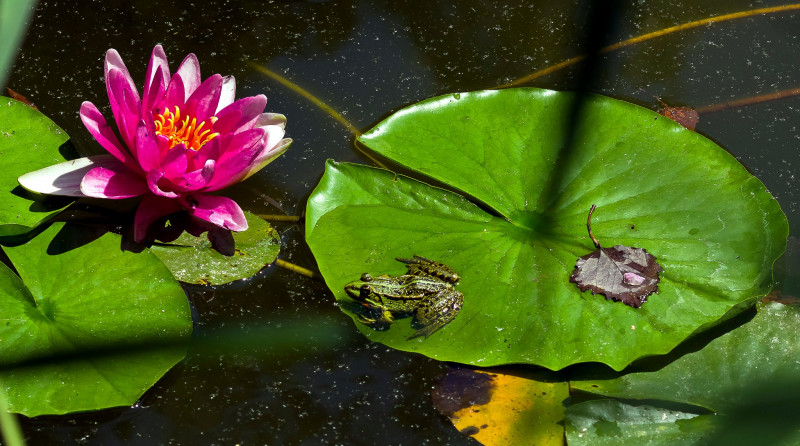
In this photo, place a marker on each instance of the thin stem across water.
(652, 35)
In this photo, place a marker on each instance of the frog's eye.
(366, 278)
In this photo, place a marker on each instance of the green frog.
(426, 292)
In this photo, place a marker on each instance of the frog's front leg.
(376, 317)
(437, 312)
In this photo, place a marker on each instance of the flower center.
(184, 130)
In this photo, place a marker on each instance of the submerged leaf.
(497, 408)
(608, 422)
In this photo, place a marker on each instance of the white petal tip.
(62, 179)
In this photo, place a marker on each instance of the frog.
(427, 292)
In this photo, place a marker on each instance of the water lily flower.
(175, 145)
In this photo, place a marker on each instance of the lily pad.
(193, 260)
(28, 141)
(82, 300)
(515, 225)
(718, 376)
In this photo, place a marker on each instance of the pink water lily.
(183, 139)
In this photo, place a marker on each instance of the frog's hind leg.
(437, 312)
(421, 266)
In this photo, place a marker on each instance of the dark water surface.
(367, 58)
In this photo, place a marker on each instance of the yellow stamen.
(184, 131)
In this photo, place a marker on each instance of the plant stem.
(299, 269)
(589, 227)
(311, 98)
(279, 217)
(12, 434)
(749, 101)
(652, 35)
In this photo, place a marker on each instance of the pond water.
(367, 58)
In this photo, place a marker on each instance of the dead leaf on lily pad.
(620, 273)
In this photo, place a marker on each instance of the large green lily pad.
(28, 141)
(193, 260)
(713, 227)
(120, 315)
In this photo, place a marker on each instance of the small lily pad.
(28, 141)
(111, 319)
(192, 259)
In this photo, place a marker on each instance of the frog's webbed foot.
(437, 312)
(376, 318)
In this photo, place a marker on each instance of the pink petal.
(221, 211)
(228, 94)
(155, 80)
(189, 72)
(267, 156)
(198, 179)
(65, 178)
(175, 95)
(153, 94)
(241, 115)
(274, 134)
(271, 119)
(102, 182)
(125, 105)
(100, 130)
(203, 102)
(237, 160)
(153, 178)
(114, 62)
(147, 150)
(174, 163)
(210, 151)
(240, 144)
(151, 209)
